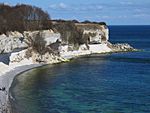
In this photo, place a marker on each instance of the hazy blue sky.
(114, 12)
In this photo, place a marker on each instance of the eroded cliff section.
(49, 46)
(60, 44)
(11, 41)
(65, 41)
(69, 34)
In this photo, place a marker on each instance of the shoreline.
(6, 81)
(6, 78)
(10, 98)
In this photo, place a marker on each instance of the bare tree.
(23, 17)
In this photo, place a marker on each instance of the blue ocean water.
(104, 83)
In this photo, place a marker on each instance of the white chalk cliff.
(98, 43)
(15, 40)
(21, 58)
(47, 47)
(10, 42)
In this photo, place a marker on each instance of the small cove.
(109, 83)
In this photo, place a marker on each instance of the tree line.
(84, 22)
(23, 17)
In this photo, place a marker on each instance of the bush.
(36, 42)
(70, 34)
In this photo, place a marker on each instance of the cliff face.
(42, 48)
(42, 45)
(68, 33)
(96, 33)
(47, 46)
(48, 35)
(14, 40)
(10, 42)
(20, 58)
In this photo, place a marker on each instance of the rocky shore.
(15, 67)
(55, 49)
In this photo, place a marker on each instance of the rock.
(47, 58)
(63, 48)
(99, 48)
(48, 35)
(19, 59)
(15, 39)
(97, 33)
(83, 47)
(14, 34)
(11, 42)
(97, 36)
(4, 68)
(121, 47)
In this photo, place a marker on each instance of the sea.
(100, 83)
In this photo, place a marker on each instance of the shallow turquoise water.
(108, 83)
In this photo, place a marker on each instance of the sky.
(113, 12)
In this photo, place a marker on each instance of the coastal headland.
(61, 42)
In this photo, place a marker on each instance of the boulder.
(121, 47)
